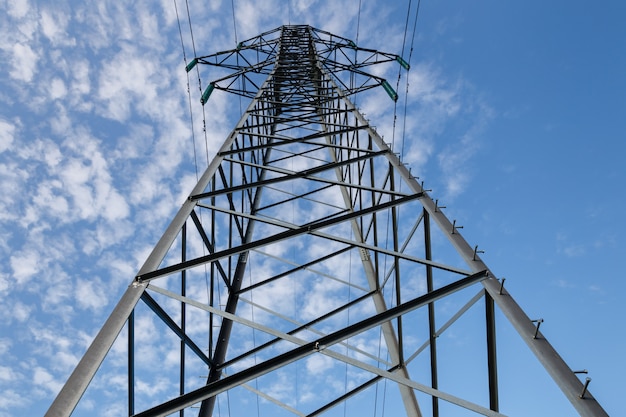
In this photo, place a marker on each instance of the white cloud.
(58, 295)
(81, 84)
(57, 89)
(89, 294)
(114, 410)
(24, 62)
(569, 248)
(21, 312)
(153, 387)
(7, 132)
(321, 299)
(318, 364)
(100, 27)
(8, 374)
(283, 388)
(25, 264)
(42, 378)
(48, 199)
(51, 344)
(149, 26)
(5, 283)
(129, 79)
(54, 25)
(169, 12)
(18, 8)
(10, 400)
(5, 344)
(88, 182)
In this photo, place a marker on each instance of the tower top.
(254, 59)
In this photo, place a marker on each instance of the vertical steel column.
(183, 313)
(131, 363)
(396, 267)
(492, 364)
(432, 328)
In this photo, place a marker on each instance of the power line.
(182, 44)
(232, 4)
(406, 95)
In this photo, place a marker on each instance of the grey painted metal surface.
(75, 387)
(305, 195)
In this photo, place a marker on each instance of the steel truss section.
(308, 261)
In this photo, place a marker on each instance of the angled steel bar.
(214, 388)
(300, 174)
(178, 331)
(207, 244)
(447, 324)
(318, 272)
(67, 399)
(402, 381)
(328, 181)
(296, 269)
(349, 242)
(348, 395)
(244, 247)
(348, 346)
(301, 327)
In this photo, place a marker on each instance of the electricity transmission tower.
(308, 269)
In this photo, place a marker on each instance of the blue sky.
(516, 113)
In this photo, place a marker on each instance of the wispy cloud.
(24, 62)
(569, 247)
(96, 156)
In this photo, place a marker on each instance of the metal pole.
(183, 314)
(131, 363)
(432, 329)
(492, 363)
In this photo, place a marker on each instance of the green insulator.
(403, 63)
(207, 93)
(192, 64)
(239, 45)
(389, 90)
(351, 44)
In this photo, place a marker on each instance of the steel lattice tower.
(308, 251)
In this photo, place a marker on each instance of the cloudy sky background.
(518, 115)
